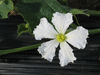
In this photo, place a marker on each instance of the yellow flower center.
(61, 37)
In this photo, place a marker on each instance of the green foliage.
(74, 25)
(33, 10)
(5, 7)
(1, 1)
(92, 12)
(77, 11)
(22, 28)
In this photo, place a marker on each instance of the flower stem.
(92, 12)
(66, 1)
(93, 31)
(77, 20)
(2, 52)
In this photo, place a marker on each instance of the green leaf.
(33, 10)
(2, 52)
(69, 30)
(1, 1)
(5, 7)
(22, 28)
(77, 11)
(74, 25)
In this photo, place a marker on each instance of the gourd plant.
(33, 10)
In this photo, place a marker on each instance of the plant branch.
(94, 31)
(77, 20)
(2, 52)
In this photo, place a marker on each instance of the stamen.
(61, 37)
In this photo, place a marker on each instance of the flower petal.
(47, 49)
(44, 30)
(62, 21)
(78, 37)
(66, 54)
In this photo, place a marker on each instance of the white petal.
(66, 54)
(47, 49)
(44, 30)
(78, 37)
(62, 21)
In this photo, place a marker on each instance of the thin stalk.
(2, 52)
(94, 31)
(92, 12)
(66, 2)
(77, 20)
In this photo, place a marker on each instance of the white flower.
(61, 22)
